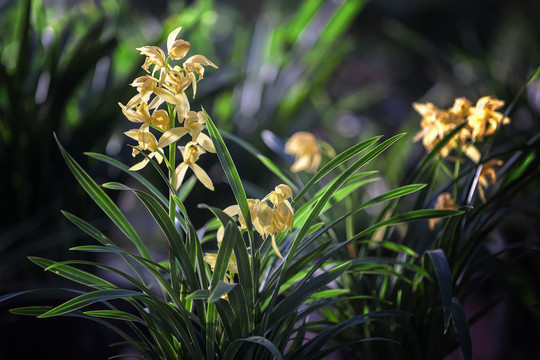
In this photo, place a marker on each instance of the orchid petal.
(202, 176)
(171, 136)
(172, 37)
(179, 175)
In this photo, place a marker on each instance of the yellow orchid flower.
(461, 108)
(281, 193)
(146, 142)
(195, 64)
(145, 86)
(194, 123)
(177, 49)
(444, 202)
(487, 175)
(191, 153)
(303, 145)
(176, 80)
(436, 123)
(211, 258)
(483, 119)
(160, 119)
(154, 56)
(179, 99)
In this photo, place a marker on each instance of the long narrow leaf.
(259, 340)
(74, 274)
(462, 329)
(90, 298)
(231, 173)
(339, 159)
(103, 201)
(172, 235)
(444, 276)
(263, 159)
(134, 174)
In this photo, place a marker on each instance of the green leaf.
(186, 188)
(300, 22)
(520, 168)
(74, 274)
(113, 314)
(521, 91)
(291, 303)
(87, 228)
(339, 159)
(414, 215)
(444, 277)
(30, 310)
(392, 194)
(263, 159)
(173, 237)
(314, 346)
(302, 213)
(103, 201)
(396, 247)
(90, 298)
(220, 289)
(326, 294)
(232, 349)
(116, 186)
(462, 329)
(230, 172)
(242, 311)
(224, 254)
(229, 320)
(201, 294)
(12, 295)
(332, 189)
(243, 262)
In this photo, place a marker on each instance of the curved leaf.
(90, 298)
(103, 201)
(259, 340)
(339, 159)
(444, 276)
(462, 329)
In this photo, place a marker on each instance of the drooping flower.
(436, 123)
(145, 86)
(177, 49)
(487, 175)
(444, 202)
(147, 141)
(191, 153)
(303, 145)
(483, 119)
(195, 65)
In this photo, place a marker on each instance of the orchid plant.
(256, 279)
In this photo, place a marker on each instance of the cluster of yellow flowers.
(482, 120)
(167, 84)
(268, 221)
